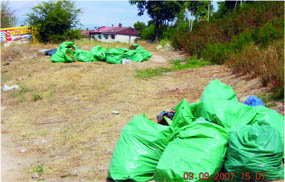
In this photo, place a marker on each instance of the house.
(84, 33)
(114, 34)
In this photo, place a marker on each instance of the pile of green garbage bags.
(217, 134)
(68, 52)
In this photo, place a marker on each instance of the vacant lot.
(59, 123)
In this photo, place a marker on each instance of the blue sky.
(95, 13)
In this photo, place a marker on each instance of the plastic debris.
(68, 52)
(138, 150)
(254, 101)
(255, 149)
(126, 61)
(161, 119)
(7, 88)
(50, 52)
(196, 141)
(199, 147)
(115, 112)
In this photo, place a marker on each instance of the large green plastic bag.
(271, 117)
(137, 55)
(218, 90)
(255, 149)
(114, 59)
(198, 148)
(99, 52)
(229, 114)
(84, 56)
(64, 53)
(138, 150)
(183, 115)
(115, 55)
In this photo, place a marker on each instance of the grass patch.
(19, 93)
(36, 97)
(39, 169)
(176, 65)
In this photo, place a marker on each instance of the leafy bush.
(55, 21)
(271, 31)
(148, 33)
(249, 18)
(218, 53)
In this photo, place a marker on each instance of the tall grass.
(267, 63)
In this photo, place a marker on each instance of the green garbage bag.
(84, 56)
(99, 52)
(218, 90)
(115, 59)
(137, 55)
(65, 53)
(183, 115)
(253, 150)
(138, 150)
(273, 118)
(115, 55)
(229, 114)
(199, 148)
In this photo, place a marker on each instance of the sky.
(95, 13)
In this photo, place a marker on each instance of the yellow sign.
(18, 34)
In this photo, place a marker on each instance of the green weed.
(39, 169)
(36, 97)
(176, 66)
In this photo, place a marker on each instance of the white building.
(114, 34)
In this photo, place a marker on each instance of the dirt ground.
(60, 125)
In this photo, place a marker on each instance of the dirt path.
(70, 131)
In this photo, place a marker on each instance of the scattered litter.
(35, 176)
(22, 150)
(75, 98)
(5, 64)
(126, 61)
(13, 87)
(159, 47)
(254, 101)
(2, 108)
(199, 138)
(50, 52)
(161, 119)
(115, 112)
(82, 180)
(68, 52)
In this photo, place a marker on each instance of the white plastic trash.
(6, 87)
(126, 61)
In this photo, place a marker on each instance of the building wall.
(116, 38)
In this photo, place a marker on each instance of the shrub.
(55, 21)
(245, 20)
(148, 33)
(218, 53)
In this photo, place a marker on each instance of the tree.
(139, 26)
(55, 21)
(200, 10)
(8, 18)
(161, 12)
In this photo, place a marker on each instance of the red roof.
(115, 30)
(84, 33)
